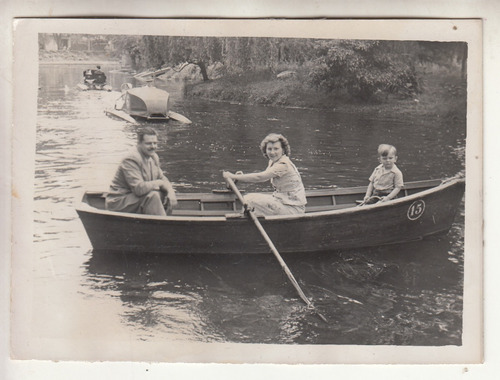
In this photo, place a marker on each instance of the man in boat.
(139, 185)
(88, 74)
(88, 77)
(99, 76)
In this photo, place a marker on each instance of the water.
(407, 294)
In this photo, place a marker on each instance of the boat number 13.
(416, 210)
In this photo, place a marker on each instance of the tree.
(444, 54)
(200, 51)
(130, 45)
(363, 68)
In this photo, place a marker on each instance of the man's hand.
(167, 188)
(172, 199)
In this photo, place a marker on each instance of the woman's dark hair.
(273, 138)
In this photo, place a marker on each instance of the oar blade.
(268, 240)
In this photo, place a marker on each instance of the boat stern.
(148, 102)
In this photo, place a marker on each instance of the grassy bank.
(443, 93)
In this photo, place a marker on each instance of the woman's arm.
(251, 177)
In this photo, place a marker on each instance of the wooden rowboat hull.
(429, 208)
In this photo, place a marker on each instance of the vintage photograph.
(243, 192)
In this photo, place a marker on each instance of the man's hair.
(386, 149)
(145, 131)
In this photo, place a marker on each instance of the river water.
(407, 294)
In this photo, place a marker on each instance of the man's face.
(148, 145)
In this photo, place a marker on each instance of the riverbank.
(73, 58)
(443, 95)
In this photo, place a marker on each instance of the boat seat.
(201, 213)
(328, 207)
(180, 212)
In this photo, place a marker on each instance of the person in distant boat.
(289, 195)
(99, 76)
(88, 74)
(386, 180)
(139, 185)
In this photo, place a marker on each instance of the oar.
(273, 248)
(365, 202)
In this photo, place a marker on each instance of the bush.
(362, 69)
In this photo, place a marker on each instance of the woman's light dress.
(289, 195)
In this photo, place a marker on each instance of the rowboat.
(150, 75)
(144, 103)
(94, 80)
(213, 223)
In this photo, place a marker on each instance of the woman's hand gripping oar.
(264, 234)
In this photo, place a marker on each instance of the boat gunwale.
(356, 209)
(85, 207)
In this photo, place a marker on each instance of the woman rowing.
(289, 195)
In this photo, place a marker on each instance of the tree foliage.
(356, 68)
(363, 68)
(129, 45)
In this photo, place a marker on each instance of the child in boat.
(386, 180)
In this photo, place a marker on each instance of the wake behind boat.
(144, 103)
(212, 223)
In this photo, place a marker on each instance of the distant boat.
(144, 103)
(212, 223)
(94, 80)
(150, 75)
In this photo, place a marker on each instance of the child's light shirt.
(384, 180)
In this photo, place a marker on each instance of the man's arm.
(133, 176)
(167, 187)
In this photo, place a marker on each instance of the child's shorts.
(381, 193)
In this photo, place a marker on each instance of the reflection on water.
(403, 294)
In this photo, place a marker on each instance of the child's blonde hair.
(386, 149)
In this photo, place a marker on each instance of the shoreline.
(442, 96)
(85, 62)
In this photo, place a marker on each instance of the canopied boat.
(212, 223)
(144, 103)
